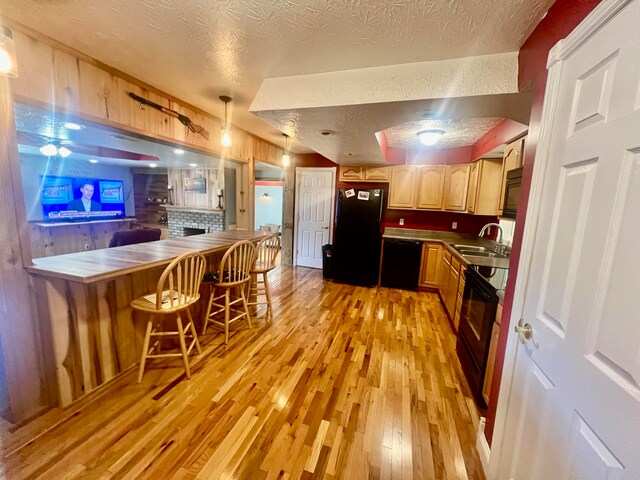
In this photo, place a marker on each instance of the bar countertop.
(98, 265)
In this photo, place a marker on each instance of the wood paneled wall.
(214, 179)
(54, 74)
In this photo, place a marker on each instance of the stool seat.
(178, 289)
(231, 279)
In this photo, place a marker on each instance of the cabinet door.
(429, 272)
(351, 173)
(431, 187)
(513, 158)
(473, 186)
(491, 358)
(461, 283)
(376, 174)
(443, 282)
(402, 188)
(452, 291)
(456, 187)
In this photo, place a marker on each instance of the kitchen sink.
(477, 251)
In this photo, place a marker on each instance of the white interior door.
(315, 193)
(573, 407)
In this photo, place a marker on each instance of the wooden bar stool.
(267, 251)
(178, 289)
(233, 275)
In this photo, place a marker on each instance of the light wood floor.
(346, 383)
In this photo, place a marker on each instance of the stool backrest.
(267, 251)
(235, 266)
(179, 284)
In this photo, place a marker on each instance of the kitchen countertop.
(448, 239)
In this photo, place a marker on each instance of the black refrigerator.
(356, 248)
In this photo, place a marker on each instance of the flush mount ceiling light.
(193, 164)
(8, 63)
(93, 160)
(430, 137)
(225, 132)
(285, 156)
(178, 151)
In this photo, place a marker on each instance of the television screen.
(71, 198)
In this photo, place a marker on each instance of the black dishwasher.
(401, 264)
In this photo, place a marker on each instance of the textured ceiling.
(457, 133)
(200, 49)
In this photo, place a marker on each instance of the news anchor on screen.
(85, 203)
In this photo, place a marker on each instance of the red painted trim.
(269, 183)
(504, 132)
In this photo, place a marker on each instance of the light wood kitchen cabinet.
(456, 187)
(364, 173)
(376, 174)
(444, 269)
(351, 173)
(461, 283)
(452, 287)
(484, 187)
(402, 188)
(513, 158)
(431, 187)
(491, 358)
(429, 269)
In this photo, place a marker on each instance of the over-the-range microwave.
(512, 193)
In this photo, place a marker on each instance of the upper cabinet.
(513, 158)
(484, 187)
(431, 186)
(364, 173)
(402, 188)
(456, 186)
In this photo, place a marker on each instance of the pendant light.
(225, 132)
(8, 62)
(285, 155)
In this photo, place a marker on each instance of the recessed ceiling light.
(349, 154)
(326, 133)
(193, 164)
(49, 150)
(93, 160)
(178, 151)
(153, 165)
(64, 152)
(430, 137)
(72, 126)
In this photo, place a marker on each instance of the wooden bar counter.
(89, 333)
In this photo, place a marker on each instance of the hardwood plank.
(290, 398)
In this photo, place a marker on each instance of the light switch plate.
(454, 225)
(401, 222)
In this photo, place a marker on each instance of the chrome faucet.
(486, 227)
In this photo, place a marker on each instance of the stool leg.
(183, 347)
(145, 349)
(246, 306)
(226, 315)
(192, 328)
(267, 292)
(206, 317)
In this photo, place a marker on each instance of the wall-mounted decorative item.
(196, 184)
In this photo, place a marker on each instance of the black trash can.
(327, 261)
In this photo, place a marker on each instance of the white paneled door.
(571, 409)
(315, 194)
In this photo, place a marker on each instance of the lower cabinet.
(451, 283)
(429, 269)
(491, 359)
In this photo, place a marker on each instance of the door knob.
(326, 228)
(525, 333)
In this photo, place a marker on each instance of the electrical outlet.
(454, 225)
(401, 222)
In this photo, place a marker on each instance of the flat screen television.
(66, 199)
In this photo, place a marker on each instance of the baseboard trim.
(482, 446)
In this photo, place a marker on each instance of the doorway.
(268, 198)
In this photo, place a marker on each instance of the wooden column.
(19, 330)
(289, 177)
